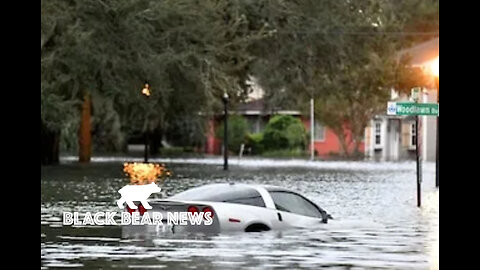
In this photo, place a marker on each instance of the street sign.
(411, 108)
(416, 109)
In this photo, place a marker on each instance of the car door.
(294, 210)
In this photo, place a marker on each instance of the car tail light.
(141, 209)
(233, 220)
(208, 209)
(192, 209)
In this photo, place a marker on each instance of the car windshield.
(223, 193)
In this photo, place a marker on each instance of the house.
(394, 138)
(254, 111)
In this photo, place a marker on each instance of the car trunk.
(171, 218)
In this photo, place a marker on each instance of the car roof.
(275, 188)
(235, 186)
(217, 192)
(224, 191)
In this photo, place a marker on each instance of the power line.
(436, 33)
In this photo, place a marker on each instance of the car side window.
(232, 194)
(253, 201)
(294, 203)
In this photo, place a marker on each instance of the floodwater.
(377, 224)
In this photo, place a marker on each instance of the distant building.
(394, 138)
(325, 141)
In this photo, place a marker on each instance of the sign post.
(415, 95)
(415, 109)
(419, 169)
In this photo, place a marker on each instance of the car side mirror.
(326, 217)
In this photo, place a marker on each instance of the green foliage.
(189, 51)
(172, 151)
(237, 132)
(185, 130)
(340, 52)
(285, 153)
(284, 132)
(254, 142)
(107, 135)
(176, 151)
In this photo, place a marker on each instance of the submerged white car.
(241, 207)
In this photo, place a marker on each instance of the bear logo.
(139, 193)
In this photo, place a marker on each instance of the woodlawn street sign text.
(411, 108)
(416, 109)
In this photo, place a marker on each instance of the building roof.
(257, 107)
(254, 105)
(422, 53)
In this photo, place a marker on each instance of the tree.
(364, 80)
(57, 106)
(191, 52)
(343, 54)
(237, 132)
(284, 132)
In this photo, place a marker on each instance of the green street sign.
(410, 108)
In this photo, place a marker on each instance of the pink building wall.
(330, 144)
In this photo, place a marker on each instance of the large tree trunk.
(358, 132)
(50, 145)
(357, 153)
(340, 132)
(85, 133)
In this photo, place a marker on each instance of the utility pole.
(225, 131)
(437, 161)
(312, 130)
(146, 92)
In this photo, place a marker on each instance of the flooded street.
(376, 225)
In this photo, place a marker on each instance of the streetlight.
(434, 67)
(225, 131)
(146, 92)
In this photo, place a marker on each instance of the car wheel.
(257, 227)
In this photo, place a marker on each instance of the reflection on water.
(377, 224)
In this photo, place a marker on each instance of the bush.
(237, 132)
(172, 151)
(284, 132)
(285, 153)
(254, 142)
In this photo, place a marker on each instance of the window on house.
(319, 134)
(413, 134)
(254, 124)
(378, 133)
